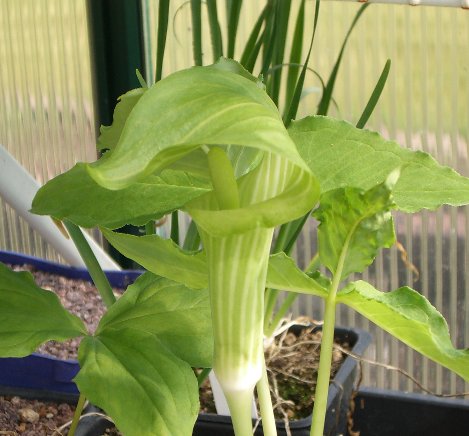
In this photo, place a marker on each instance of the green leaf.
(354, 225)
(295, 55)
(215, 32)
(201, 105)
(30, 315)
(196, 14)
(326, 98)
(163, 16)
(233, 13)
(177, 315)
(162, 257)
(75, 196)
(109, 135)
(375, 95)
(341, 155)
(410, 317)
(283, 274)
(142, 385)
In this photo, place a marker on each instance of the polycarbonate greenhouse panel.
(46, 99)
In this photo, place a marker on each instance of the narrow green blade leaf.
(248, 60)
(233, 20)
(196, 13)
(30, 315)
(163, 17)
(354, 225)
(408, 316)
(215, 32)
(282, 17)
(375, 95)
(109, 135)
(139, 383)
(283, 274)
(213, 107)
(162, 257)
(177, 315)
(293, 105)
(76, 197)
(341, 155)
(295, 55)
(323, 106)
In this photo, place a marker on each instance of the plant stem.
(325, 361)
(203, 375)
(150, 228)
(327, 343)
(175, 227)
(281, 313)
(97, 275)
(77, 415)
(265, 404)
(314, 264)
(240, 404)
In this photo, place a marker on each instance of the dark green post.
(116, 38)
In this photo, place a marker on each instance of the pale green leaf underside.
(283, 274)
(164, 258)
(200, 105)
(137, 204)
(178, 316)
(30, 315)
(341, 155)
(143, 386)
(109, 135)
(354, 226)
(410, 317)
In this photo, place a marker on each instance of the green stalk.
(203, 375)
(265, 404)
(150, 228)
(77, 415)
(97, 275)
(192, 239)
(327, 343)
(175, 227)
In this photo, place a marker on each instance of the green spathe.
(30, 315)
(209, 106)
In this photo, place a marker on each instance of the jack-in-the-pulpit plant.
(209, 141)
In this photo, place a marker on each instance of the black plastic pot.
(340, 394)
(381, 412)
